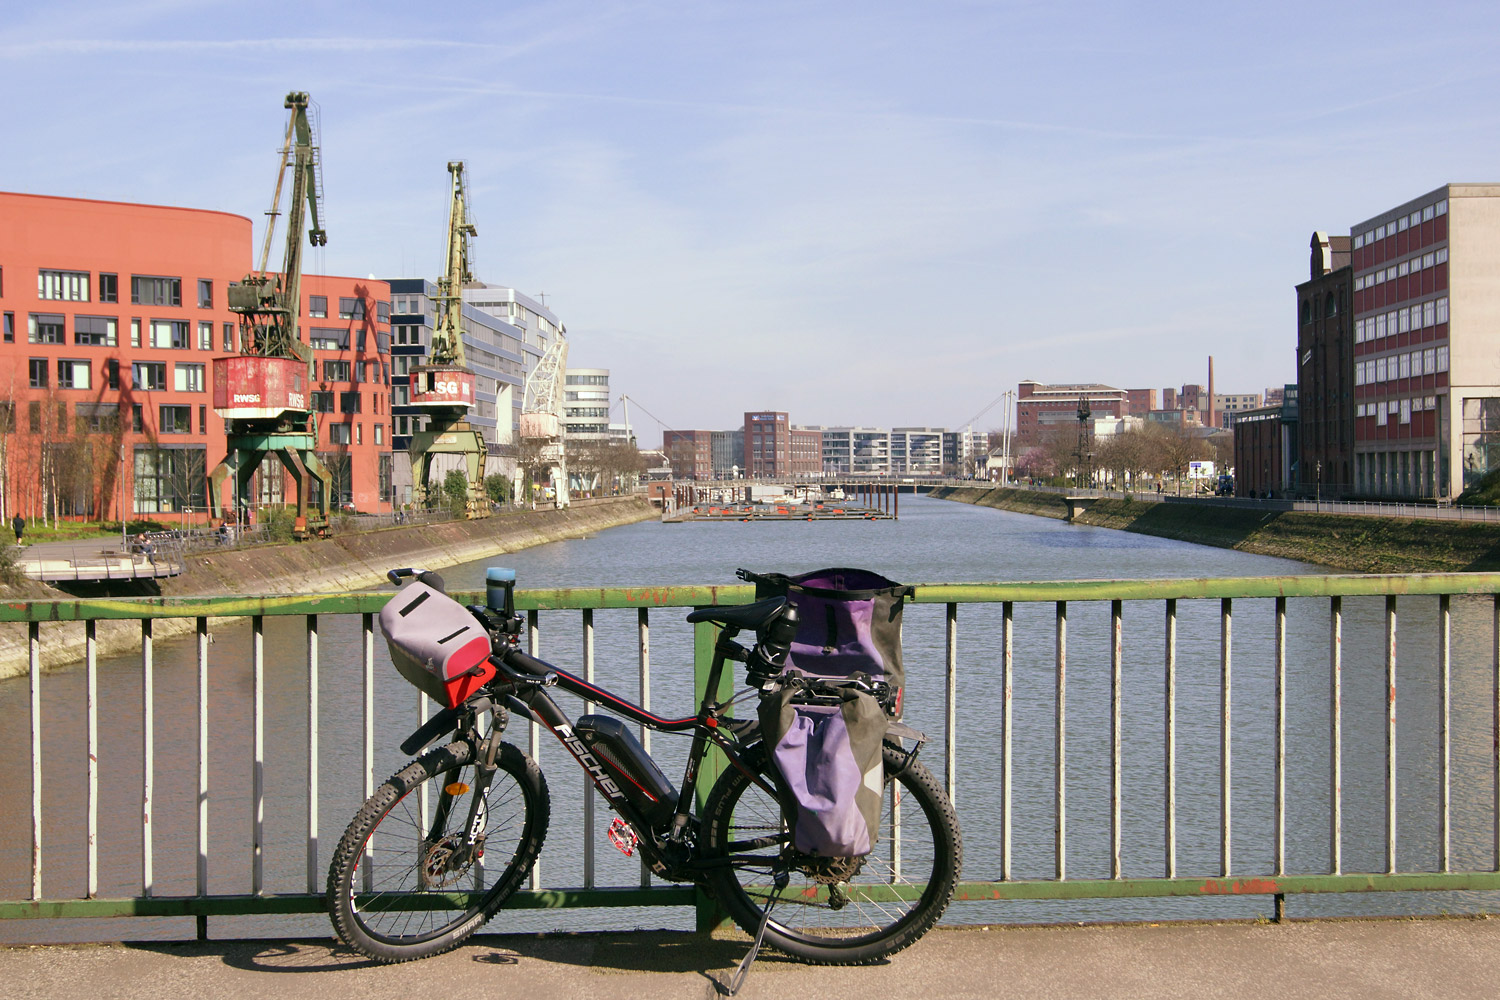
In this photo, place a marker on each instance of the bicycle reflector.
(456, 788)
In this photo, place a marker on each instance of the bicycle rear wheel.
(899, 891)
(405, 884)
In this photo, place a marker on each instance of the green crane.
(444, 386)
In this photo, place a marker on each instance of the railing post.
(1390, 734)
(91, 708)
(148, 754)
(201, 880)
(1007, 662)
(1336, 735)
(1444, 693)
(1226, 796)
(312, 754)
(1116, 767)
(34, 672)
(1060, 750)
(710, 914)
(1169, 768)
(950, 743)
(258, 763)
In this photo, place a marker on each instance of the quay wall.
(353, 561)
(1346, 542)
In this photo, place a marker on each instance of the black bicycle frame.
(532, 678)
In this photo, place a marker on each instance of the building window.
(148, 376)
(149, 291)
(338, 433)
(351, 308)
(112, 373)
(380, 434)
(96, 418)
(335, 371)
(44, 328)
(95, 331)
(137, 423)
(349, 402)
(205, 335)
(10, 328)
(135, 332)
(109, 287)
(1442, 309)
(322, 402)
(64, 286)
(174, 419)
(360, 339)
(73, 375)
(361, 369)
(317, 306)
(385, 468)
(382, 312)
(202, 419)
(382, 343)
(228, 337)
(170, 479)
(328, 339)
(205, 293)
(34, 416)
(359, 433)
(170, 334)
(1442, 358)
(187, 378)
(38, 371)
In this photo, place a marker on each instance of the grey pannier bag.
(436, 644)
(827, 745)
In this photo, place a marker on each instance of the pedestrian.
(146, 548)
(19, 524)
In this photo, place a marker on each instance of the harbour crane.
(262, 392)
(444, 386)
(541, 418)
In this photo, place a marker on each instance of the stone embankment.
(353, 561)
(1347, 542)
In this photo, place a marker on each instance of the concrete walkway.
(1326, 960)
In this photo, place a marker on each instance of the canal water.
(933, 542)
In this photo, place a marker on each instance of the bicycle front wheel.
(825, 915)
(406, 882)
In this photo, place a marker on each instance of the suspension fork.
(484, 754)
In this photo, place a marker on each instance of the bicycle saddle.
(743, 616)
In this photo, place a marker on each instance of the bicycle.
(481, 810)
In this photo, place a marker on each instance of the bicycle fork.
(446, 855)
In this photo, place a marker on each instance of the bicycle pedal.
(623, 837)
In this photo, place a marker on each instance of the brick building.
(1325, 372)
(1040, 406)
(112, 314)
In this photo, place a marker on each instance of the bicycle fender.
(444, 722)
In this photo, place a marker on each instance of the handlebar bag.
(849, 623)
(436, 644)
(829, 759)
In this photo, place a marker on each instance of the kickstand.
(738, 979)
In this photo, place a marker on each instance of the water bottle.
(500, 590)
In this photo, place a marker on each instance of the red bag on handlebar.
(436, 644)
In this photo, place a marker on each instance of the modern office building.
(586, 404)
(1426, 365)
(1325, 374)
(504, 334)
(112, 314)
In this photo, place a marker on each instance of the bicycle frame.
(531, 678)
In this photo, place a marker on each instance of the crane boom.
(447, 339)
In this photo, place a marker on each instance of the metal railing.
(987, 809)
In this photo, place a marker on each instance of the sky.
(874, 213)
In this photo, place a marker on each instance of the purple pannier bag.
(849, 623)
(829, 757)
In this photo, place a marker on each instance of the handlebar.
(426, 576)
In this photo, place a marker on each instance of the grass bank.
(354, 561)
(1344, 542)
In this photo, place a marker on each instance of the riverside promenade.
(1447, 958)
